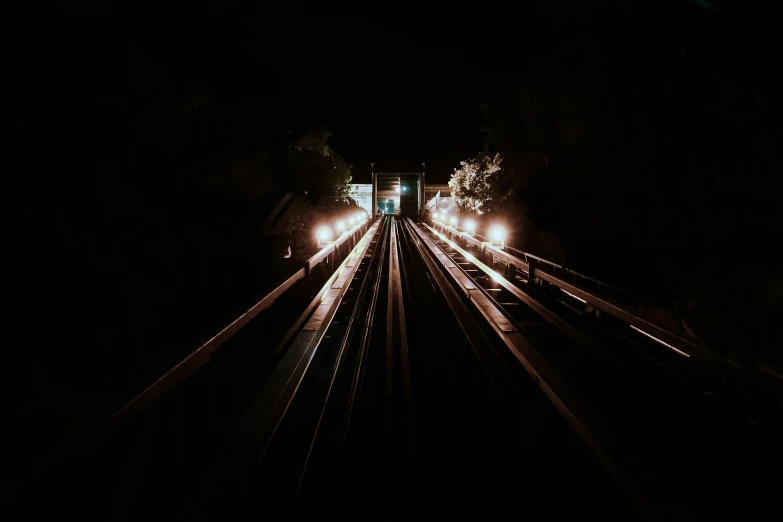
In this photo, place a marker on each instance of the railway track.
(152, 452)
(408, 400)
(694, 446)
(420, 375)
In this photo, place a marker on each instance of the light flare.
(324, 234)
(497, 233)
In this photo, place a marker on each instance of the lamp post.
(423, 188)
(374, 203)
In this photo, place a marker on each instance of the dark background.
(397, 84)
(144, 138)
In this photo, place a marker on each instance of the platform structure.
(404, 190)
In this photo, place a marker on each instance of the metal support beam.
(374, 195)
(422, 195)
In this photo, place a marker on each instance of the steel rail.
(180, 372)
(497, 372)
(359, 371)
(246, 447)
(366, 286)
(547, 314)
(554, 265)
(397, 338)
(585, 422)
(671, 340)
(185, 368)
(676, 343)
(724, 368)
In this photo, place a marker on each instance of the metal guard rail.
(674, 341)
(603, 303)
(185, 368)
(526, 256)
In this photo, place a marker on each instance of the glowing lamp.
(469, 225)
(340, 226)
(453, 220)
(324, 235)
(498, 235)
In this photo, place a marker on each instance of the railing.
(603, 287)
(540, 269)
(259, 424)
(327, 259)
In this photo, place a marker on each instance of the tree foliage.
(312, 166)
(475, 182)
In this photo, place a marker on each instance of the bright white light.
(494, 275)
(453, 220)
(340, 226)
(497, 233)
(351, 220)
(452, 245)
(445, 211)
(324, 234)
(470, 257)
(397, 189)
(469, 225)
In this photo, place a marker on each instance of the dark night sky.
(405, 102)
(393, 86)
(393, 89)
(397, 84)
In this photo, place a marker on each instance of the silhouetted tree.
(645, 140)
